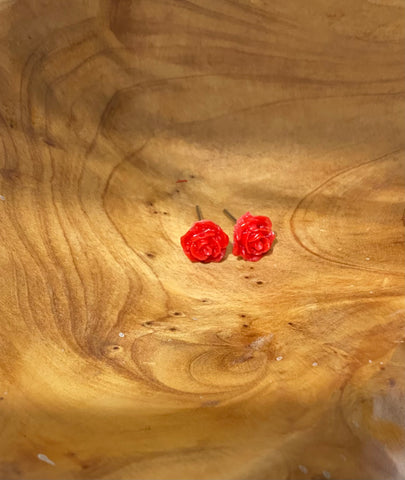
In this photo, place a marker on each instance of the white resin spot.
(45, 459)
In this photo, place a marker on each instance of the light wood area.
(121, 359)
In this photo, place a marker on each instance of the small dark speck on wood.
(49, 142)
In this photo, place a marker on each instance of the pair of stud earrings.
(206, 241)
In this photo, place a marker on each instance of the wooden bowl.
(120, 358)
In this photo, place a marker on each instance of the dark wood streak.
(319, 188)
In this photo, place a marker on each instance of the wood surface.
(121, 359)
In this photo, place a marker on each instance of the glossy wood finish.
(119, 358)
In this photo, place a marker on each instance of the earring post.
(199, 213)
(229, 215)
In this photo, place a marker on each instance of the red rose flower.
(252, 237)
(205, 242)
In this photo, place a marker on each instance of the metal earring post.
(199, 213)
(229, 215)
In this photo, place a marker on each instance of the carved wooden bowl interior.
(120, 358)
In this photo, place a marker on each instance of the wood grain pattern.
(120, 359)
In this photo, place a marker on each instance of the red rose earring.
(252, 236)
(205, 241)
